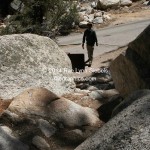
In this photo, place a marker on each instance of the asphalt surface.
(110, 38)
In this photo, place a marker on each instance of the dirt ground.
(132, 16)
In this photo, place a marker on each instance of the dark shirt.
(90, 37)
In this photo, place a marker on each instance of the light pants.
(90, 50)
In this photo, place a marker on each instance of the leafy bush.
(44, 17)
(69, 19)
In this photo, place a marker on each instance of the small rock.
(108, 93)
(91, 17)
(11, 116)
(90, 11)
(95, 95)
(89, 131)
(105, 110)
(17, 5)
(92, 88)
(82, 13)
(146, 3)
(47, 129)
(83, 24)
(78, 7)
(7, 19)
(86, 18)
(93, 4)
(77, 90)
(85, 98)
(40, 143)
(98, 20)
(98, 14)
(103, 80)
(6, 129)
(10, 142)
(82, 86)
(83, 9)
(2, 25)
(106, 17)
(104, 86)
(104, 4)
(78, 94)
(85, 91)
(111, 83)
(81, 91)
(125, 2)
(72, 136)
(125, 9)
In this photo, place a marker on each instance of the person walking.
(90, 37)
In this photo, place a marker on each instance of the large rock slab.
(141, 45)
(39, 102)
(28, 60)
(128, 130)
(125, 76)
(131, 71)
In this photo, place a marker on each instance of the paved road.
(109, 38)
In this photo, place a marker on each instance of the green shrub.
(43, 17)
(69, 19)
